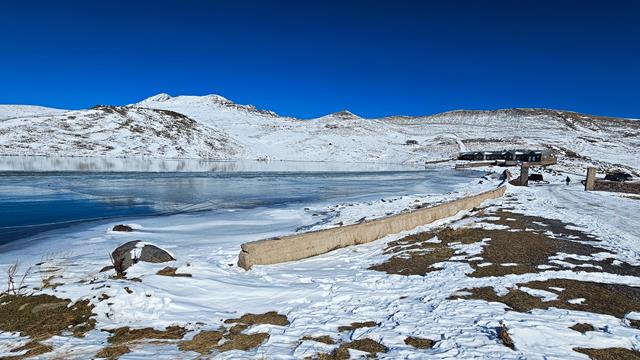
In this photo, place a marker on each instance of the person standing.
(567, 180)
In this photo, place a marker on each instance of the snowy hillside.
(114, 131)
(214, 127)
(12, 111)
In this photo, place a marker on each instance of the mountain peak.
(344, 114)
(158, 97)
(217, 99)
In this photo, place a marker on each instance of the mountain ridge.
(214, 127)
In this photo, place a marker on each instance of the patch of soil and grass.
(357, 325)
(113, 352)
(366, 345)
(582, 327)
(203, 342)
(610, 353)
(222, 340)
(43, 316)
(233, 338)
(33, 348)
(325, 339)
(416, 255)
(242, 342)
(419, 343)
(527, 244)
(270, 317)
(124, 335)
(610, 299)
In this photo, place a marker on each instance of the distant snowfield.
(216, 128)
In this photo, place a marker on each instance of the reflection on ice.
(33, 201)
(142, 164)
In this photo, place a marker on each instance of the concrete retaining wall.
(475, 164)
(594, 184)
(617, 186)
(300, 246)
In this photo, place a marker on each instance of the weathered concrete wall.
(300, 246)
(475, 164)
(617, 186)
(594, 184)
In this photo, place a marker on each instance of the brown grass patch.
(224, 340)
(325, 339)
(270, 317)
(126, 335)
(413, 255)
(357, 325)
(203, 342)
(342, 353)
(43, 316)
(419, 343)
(171, 271)
(610, 353)
(33, 348)
(610, 299)
(113, 352)
(243, 342)
(582, 327)
(238, 328)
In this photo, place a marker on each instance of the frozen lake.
(72, 192)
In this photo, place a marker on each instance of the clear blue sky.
(309, 58)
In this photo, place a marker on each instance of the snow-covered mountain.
(114, 131)
(13, 111)
(214, 127)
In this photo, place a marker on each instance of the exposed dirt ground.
(125, 335)
(514, 243)
(523, 244)
(43, 316)
(342, 352)
(419, 343)
(610, 299)
(610, 354)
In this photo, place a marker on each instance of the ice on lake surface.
(36, 196)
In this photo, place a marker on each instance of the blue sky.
(309, 58)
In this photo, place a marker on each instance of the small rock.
(122, 228)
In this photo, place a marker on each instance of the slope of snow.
(322, 293)
(115, 131)
(14, 111)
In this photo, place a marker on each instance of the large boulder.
(132, 252)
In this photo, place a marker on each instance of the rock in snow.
(134, 251)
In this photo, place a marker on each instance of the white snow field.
(320, 294)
